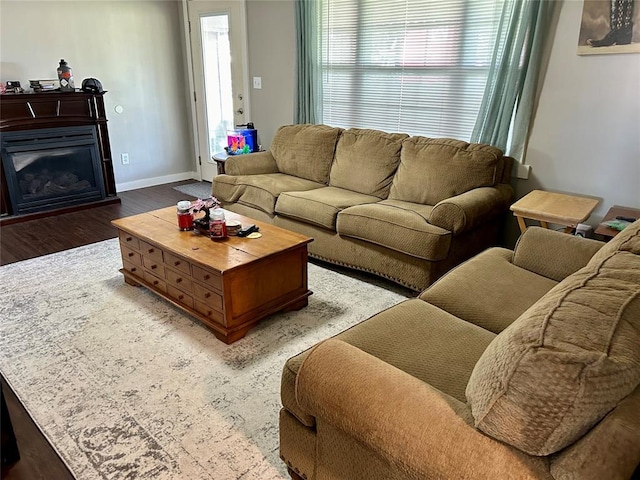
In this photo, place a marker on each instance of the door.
(219, 62)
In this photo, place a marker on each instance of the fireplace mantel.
(30, 111)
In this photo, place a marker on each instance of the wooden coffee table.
(229, 285)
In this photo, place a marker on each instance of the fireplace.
(55, 153)
(51, 168)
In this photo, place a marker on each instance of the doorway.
(218, 41)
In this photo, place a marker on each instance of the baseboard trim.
(152, 182)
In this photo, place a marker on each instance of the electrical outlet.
(257, 83)
(125, 158)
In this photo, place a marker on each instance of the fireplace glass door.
(52, 168)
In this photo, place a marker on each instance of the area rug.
(124, 385)
(195, 190)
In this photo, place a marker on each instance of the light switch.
(257, 83)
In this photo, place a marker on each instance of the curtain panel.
(308, 56)
(508, 102)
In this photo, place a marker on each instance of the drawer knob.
(128, 239)
(209, 313)
(207, 277)
(155, 282)
(207, 295)
(178, 280)
(180, 297)
(176, 263)
(133, 269)
(153, 267)
(130, 254)
(151, 250)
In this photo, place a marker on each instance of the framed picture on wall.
(609, 26)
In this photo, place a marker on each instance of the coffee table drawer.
(151, 251)
(207, 296)
(130, 256)
(180, 296)
(132, 267)
(172, 261)
(153, 267)
(129, 240)
(179, 280)
(209, 312)
(209, 277)
(155, 282)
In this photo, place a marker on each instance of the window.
(412, 66)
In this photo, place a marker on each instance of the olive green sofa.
(405, 208)
(514, 365)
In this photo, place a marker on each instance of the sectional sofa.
(519, 364)
(404, 208)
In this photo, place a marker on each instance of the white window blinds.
(412, 66)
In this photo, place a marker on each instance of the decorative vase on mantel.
(65, 76)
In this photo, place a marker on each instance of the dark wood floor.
(21, 241)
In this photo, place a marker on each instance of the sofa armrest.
(553, 254)
(467, 210)
(407, 422)
(251, 164)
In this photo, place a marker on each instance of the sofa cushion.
(366, 160)
(400, 226)
(305, 151)
(258, 191)
(568, 360)
(478, 291)
(553, 254)
(320, 206)
(436, 347)
(434, 169)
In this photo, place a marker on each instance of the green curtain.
(509, 97)
(308, 107)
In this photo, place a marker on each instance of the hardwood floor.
(21, 241)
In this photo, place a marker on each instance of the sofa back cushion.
(568, 360)
(305, 151)
(434, 169)
(366, 161)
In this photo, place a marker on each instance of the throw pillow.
(434, 169)
(366, 161)
(567, 361)
(305, 151)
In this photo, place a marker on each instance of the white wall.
(135, 48)
(272, 49)
(586, 133)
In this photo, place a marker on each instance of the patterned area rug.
(195, 190)
(124, 385)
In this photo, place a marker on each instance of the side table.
(613, 212)
(220, 158)
(557, 208)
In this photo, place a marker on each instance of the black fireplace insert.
(51, 168)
